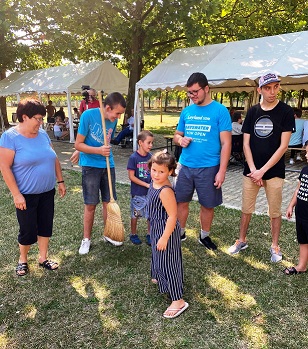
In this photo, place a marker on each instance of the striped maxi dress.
(166, 266)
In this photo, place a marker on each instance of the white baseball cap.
(268, 78)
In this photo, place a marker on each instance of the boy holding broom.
(92, 159)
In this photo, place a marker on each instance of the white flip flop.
(178, 311)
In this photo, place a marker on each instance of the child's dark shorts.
(138, 206)
(302, 230)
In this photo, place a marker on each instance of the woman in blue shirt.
(30, 168)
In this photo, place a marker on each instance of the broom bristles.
(114, 228)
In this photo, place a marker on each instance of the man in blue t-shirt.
(204, 133)
(93, 153)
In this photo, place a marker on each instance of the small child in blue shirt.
(140, 178)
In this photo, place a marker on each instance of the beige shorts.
(273, 190)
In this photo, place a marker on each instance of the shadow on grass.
(106, 300)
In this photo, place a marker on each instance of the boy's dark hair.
(298, 112)
(306, 143)
(197, 78)
(163, 158)
(113, 99)
(236, 115)
(29, 107)
(143, 135)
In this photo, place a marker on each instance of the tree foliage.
(135, 35)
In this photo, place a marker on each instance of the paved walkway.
(232, 188)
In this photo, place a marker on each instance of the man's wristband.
(60, 182)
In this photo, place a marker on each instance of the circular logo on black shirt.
(263, 127)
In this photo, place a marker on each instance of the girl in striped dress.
(165, 231)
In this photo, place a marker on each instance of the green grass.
(164, 124)
(106, 300)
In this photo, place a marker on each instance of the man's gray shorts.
(199, 179)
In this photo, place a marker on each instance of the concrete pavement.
(232, 188)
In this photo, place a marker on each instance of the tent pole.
(255, 96)
(136, 117)
(70, 118)
(161, 106)
(2, 123)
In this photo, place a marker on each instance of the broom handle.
(101, 108)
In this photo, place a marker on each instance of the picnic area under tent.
(232, 66)
(100, 75)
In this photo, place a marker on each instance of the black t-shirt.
(265, 129)
(301, 209)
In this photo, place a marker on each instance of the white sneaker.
(299, 158)
(85, 246)
(276, 255)
(291, 162)
(237, 247)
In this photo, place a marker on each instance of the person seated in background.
(60, 113)
(127, 131)
(237, 123)
(76, 114)
(296, 137)
(58, 129)
(67, 123)
(232, 111)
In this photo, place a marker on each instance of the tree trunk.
(301, 97)
(136, 67)
(166, 101)
(178, 102)
(231, 100)
(221, 97)
(3, 103)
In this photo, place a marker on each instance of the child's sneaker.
(237, 247)
(299, 158)
(148, 239)
(183, 236)
(85, 246)
(134, 238)
(276, 255)
(291, 162)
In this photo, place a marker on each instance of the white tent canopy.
(66, 80)
(233, 66)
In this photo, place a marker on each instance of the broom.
(114, 229)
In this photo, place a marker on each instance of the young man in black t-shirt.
(267, 130)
